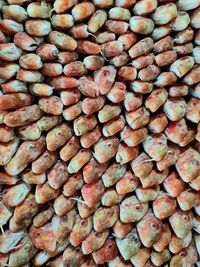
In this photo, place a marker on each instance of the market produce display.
(100, 133)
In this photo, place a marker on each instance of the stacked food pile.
(100, 133)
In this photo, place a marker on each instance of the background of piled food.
(99, 152)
